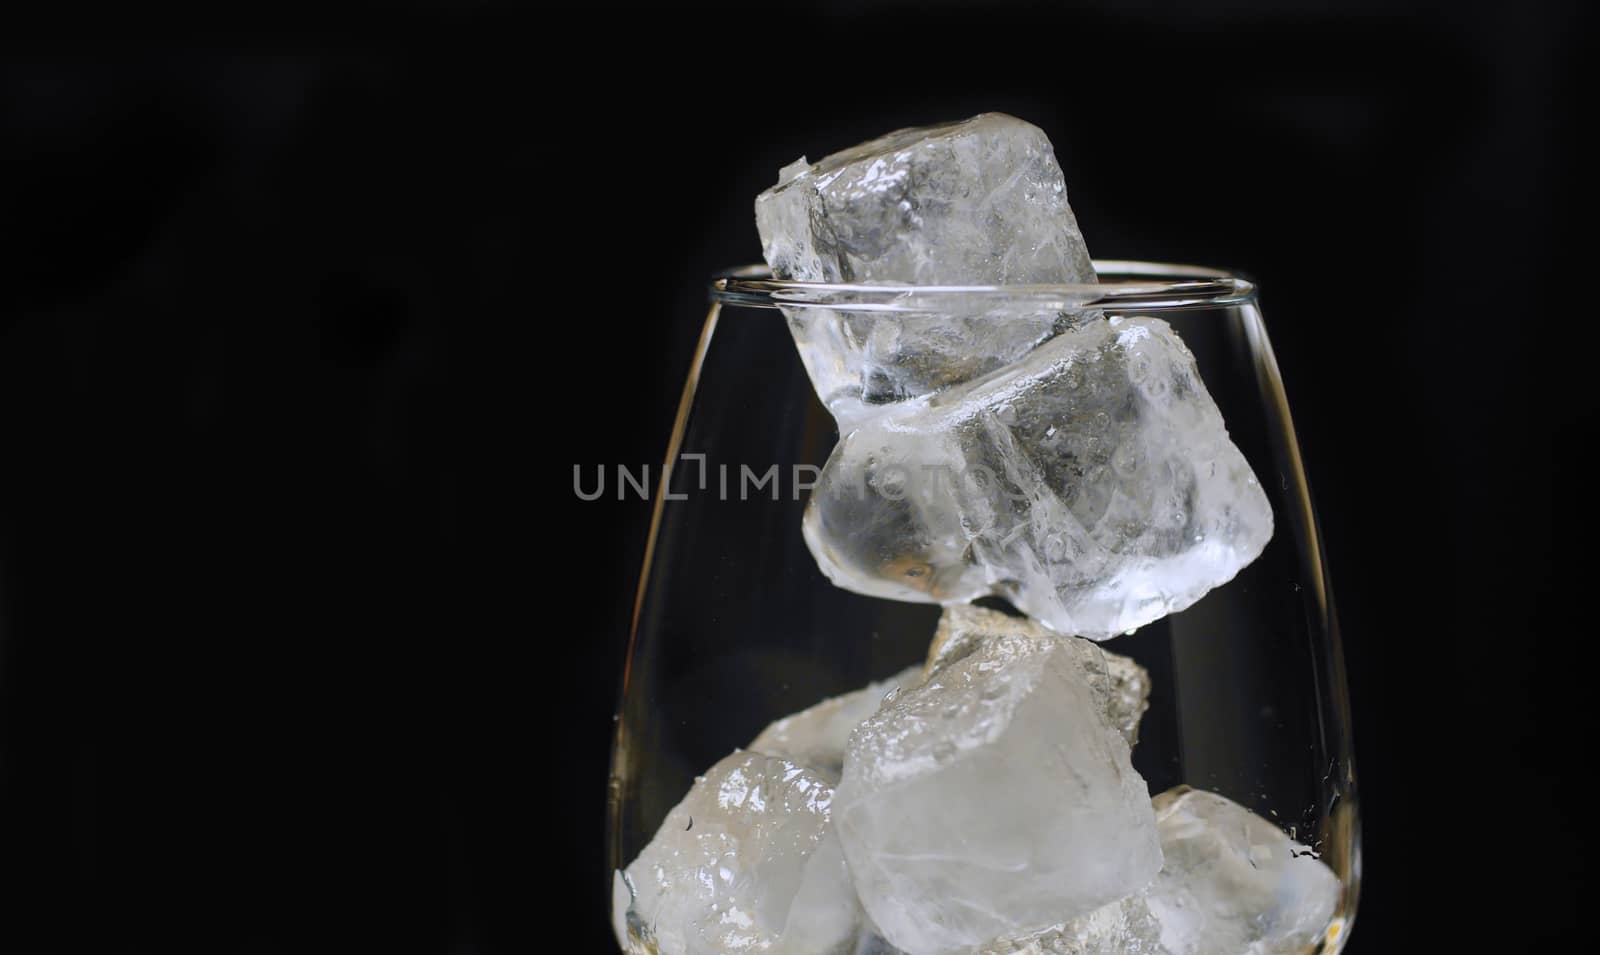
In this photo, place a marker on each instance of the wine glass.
(734, 626)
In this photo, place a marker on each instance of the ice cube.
(993, 799)
(1121, 686)
(1092, 483)
(1231, 883)
(1234, 883)
(815, 738)
(1123, 927)
(976, 202)
(746, 862)
(860, 362)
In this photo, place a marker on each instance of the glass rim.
(1128, 284)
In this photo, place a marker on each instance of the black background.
(306, 643)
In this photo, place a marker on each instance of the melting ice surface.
(1121, 686)
(816, 737)
(1234, 883)
(745, 863)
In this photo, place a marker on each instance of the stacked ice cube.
(1072, 463)
(987, 805)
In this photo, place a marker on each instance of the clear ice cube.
(1233, 883)
(747, 862)
(1121, 686)
(861, 361)
(1092, 483)
(815, 737)
(976, 202)
(993, 799)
